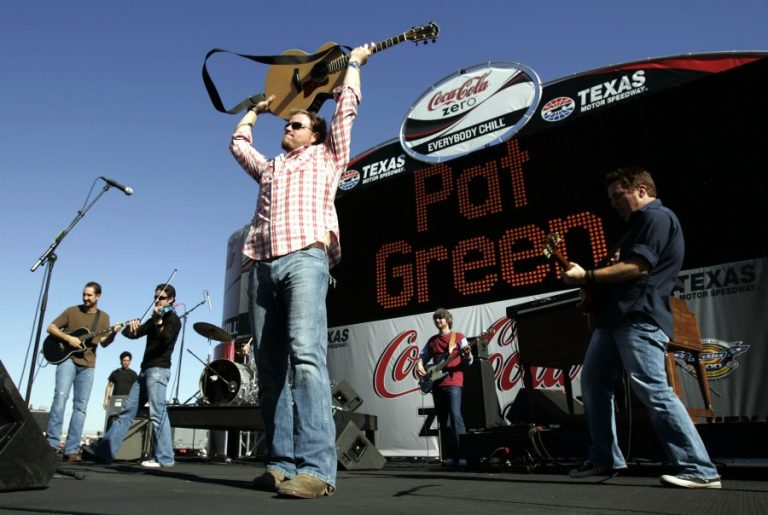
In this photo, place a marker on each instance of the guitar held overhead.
(308, 85)
(56, 351)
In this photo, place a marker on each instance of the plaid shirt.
(296, 207)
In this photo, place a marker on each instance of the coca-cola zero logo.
(461, 97)
(395, 372)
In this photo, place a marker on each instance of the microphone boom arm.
(49, 257)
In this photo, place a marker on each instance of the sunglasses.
(163, 297)
(296, 125)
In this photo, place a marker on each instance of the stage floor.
(194, 487)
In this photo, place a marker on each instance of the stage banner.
(378, 360)
(730, 302)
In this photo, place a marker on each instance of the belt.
(316, 245)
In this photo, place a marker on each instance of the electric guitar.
(55, 350)
(589, 294)
(307, 86)
(437, 371)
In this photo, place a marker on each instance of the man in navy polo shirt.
(634, 324)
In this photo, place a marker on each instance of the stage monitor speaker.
(542, 407)
(480, 404)
(345, 398)
(116, 403)
(27, 460)
(41, 417)
(138, 441)
(356, 452)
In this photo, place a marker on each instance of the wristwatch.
(354, 64)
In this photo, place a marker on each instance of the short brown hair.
(93, 284)
(632, 177)
(316, 123)
(444, 313)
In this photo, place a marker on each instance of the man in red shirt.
(293, 242)
(446, 392)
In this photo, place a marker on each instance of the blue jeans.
(68, 375)
(150, 386)
(290, 331)
(639, 347)
(448, 406)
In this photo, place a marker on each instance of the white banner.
(730, 302)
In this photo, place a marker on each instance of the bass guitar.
(437, 371)
(56, 351)
(306, 86)
(589, 295)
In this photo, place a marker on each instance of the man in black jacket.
(161, 331)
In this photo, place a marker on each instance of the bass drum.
(225, 382)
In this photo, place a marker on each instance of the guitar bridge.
(297, 80)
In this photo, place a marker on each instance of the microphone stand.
(181, 349)
(48, 258)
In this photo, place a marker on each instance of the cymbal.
(212, 332)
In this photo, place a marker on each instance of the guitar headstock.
(550, 243)
(423, 33)
(550, 250)
(486, 335)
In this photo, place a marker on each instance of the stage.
(194, 487)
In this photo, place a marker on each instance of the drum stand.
(207, 366)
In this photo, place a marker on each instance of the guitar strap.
(451, 343)
(213, 94)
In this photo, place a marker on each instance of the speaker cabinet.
(356, 452)
(27, 460)
(479, 403)
(345, 397)
(138, 441)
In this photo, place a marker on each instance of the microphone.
(125, 189)
(208, 300)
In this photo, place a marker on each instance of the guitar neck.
(561, 259)
(452, 355)
(470, 342)
(341, 62)
(100, 333)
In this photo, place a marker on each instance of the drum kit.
(230, 377)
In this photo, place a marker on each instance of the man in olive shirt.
(76, 372)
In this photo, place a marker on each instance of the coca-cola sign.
(395, 372)
(471, 109)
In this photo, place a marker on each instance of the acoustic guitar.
(307, 86)
(56, 351)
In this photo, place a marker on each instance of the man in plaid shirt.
(294, 241)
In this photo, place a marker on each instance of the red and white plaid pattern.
(296, 190)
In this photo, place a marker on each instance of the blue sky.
(91, 89)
